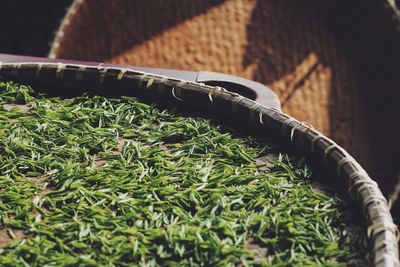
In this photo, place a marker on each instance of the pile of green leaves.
(94, 181)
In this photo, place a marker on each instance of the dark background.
(27, 27)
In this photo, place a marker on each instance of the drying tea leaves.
(94, 181)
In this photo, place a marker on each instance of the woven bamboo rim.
(334, 159)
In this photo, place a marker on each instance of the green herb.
(94, 181)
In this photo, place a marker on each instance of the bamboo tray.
(269, 120)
